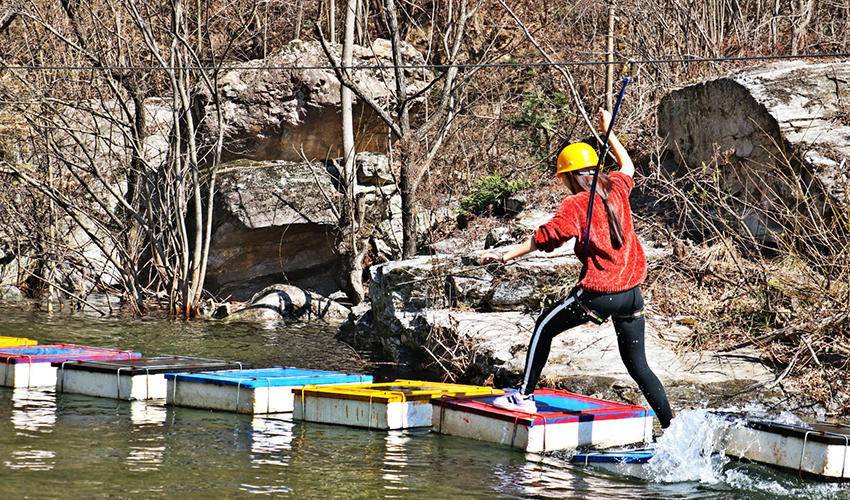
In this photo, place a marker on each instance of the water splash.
(691, 450)
(685, 452)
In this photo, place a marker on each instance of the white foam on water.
(685, 452)
(784, 486)
(691, 450)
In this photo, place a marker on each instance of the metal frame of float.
(258, 391)
(593, 422)
(820, 450)
(16, 341)
(401, 404)
(31, 366)
(131, 379)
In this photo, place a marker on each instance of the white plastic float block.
(820, 450)
(402, 404)
(564, 421)
(266, 390)
(131, 379)
(30, 366)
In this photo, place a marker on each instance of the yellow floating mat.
(402, 404)
(15, 341)
(398, 391)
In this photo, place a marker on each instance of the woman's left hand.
(603, 120)
(490, 257)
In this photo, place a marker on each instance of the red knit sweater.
(608, 270)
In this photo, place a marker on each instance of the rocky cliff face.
(789, 113)
(280, 114)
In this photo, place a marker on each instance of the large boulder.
(282, 114)
(785, 114)
(274, 223)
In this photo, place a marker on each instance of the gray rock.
(273, 222)
(276, 193)
(374, 170)
(286, 302)
(499, 237)
(278, 115)
(515, 204)
(11, 293)
(788, 113)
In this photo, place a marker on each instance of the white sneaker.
(516, 401)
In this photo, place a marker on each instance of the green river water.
(67, 446)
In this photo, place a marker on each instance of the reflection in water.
(395, 462)
(143, 413)
(271, 444)
(33, 410)
(147, 443)
(271, 440)
(28, 459)
(33, 413)
(544, 477)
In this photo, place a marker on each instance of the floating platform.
(31, 366)
(15, 341)
(266, 390)
(820, 450)
(130, 379)
(564, 421)
(402, 404)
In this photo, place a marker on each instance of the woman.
(609, 284)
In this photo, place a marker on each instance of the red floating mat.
(30, 366)
(564, 420)
(54, 353)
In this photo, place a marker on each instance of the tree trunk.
(408, 204)
(349, 223)
(407, 181)
(332, 20)
(298, 17)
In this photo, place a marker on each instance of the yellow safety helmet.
(576, 156)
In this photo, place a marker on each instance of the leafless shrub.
(772, 269)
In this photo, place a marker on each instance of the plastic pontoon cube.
(15, 341)
(265, 390)
(401, 404)
(131, 379)
(563, 421)
(820, 450)
(30, 366)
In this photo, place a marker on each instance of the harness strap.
(591, 313)
(635, 315)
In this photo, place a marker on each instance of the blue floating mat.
(629, 456)
(264, 390)
(270, 377)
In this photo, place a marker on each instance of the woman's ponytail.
(603, 187)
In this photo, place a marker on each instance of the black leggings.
(581, 306)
